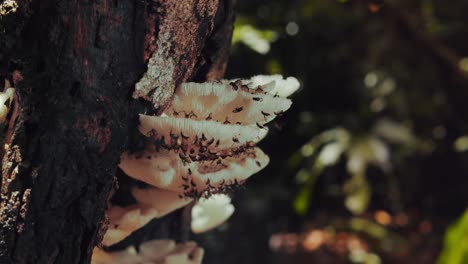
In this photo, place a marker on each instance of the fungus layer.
(124, 220)
(183, 134)
(255, 101)
(166, 170)
(152, 252)
(162, 201)
(151, 203)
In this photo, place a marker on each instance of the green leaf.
(455, 249)
(302, 201)
(358, 194)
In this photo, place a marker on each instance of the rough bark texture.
(80, 61)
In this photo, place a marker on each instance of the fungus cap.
(276, 85)
(253, 101)
(187, 131)
(155, 251)
(165, 170)
(162, 201)
(211, 212)
(124, 220)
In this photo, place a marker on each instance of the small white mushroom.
(211, 212)
(5, 100)
(152, 252)
(166, 170)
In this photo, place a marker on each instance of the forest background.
(370, 165)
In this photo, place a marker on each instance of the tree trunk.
(74, 65)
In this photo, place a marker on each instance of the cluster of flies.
(203, 149)
(191, 190)
(200, 148)
(238, 85)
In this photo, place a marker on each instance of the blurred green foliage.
(455, 249)
(256, 39)
(379, 124)
(325, 150)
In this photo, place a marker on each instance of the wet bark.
(79, 62)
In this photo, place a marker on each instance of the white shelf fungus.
(151, 203)
(152, 252)
(162, 201)
(124, 220)
(166, 170)
(205, 141)
(255, 101)
(202, 146)
(183, 135)
(211, 212)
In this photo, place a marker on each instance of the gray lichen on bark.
(159, 73)
(178, 45)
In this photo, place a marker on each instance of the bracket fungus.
(124, 220)
(152, 252)
(205, 176)
(205, 141)
(151, 203)
(203, 145)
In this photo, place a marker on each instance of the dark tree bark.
(79, 62)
